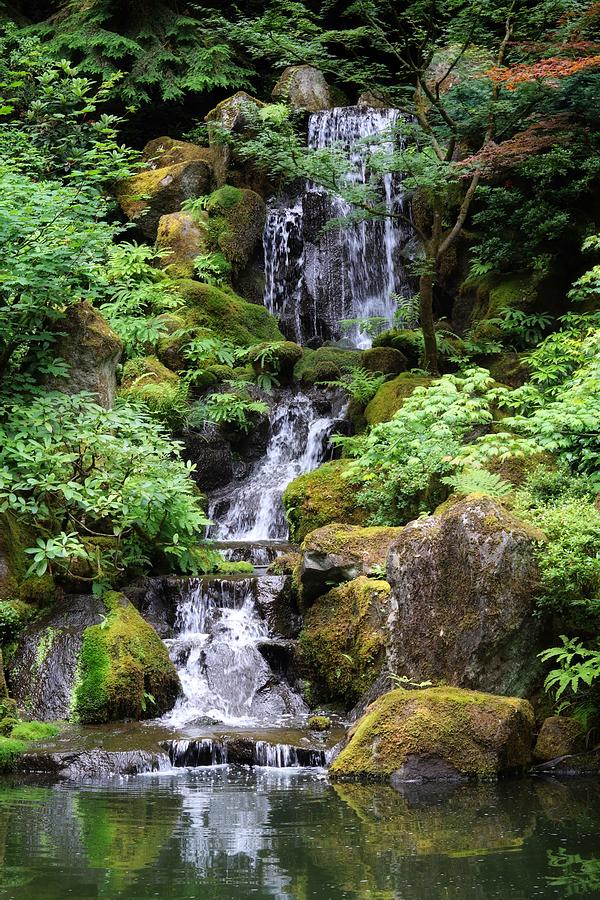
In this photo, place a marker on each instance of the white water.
(252, 509)
(223, 674)
(316, 278)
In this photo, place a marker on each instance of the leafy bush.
(105, 487)
(576, 679)
(360, 384)
(227, 409)
(212, 268)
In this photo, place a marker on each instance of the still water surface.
(226, 833)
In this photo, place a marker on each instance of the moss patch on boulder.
(148, 381)
(438, 733)
(317, 363)
(225, 315)
(342, 643)
(124, 668)
(559, 736)
(180, 239)
(391, 395)
(321, 497)
(386, 360)
(15, 584)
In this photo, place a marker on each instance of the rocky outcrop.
(92, 350)
(166, 151)
(180, 240)
(342, 643)
(559, 736)
(438, 734)
(391, 395)
(303, 88)
(463, 590)
(153, 193)
(230, 115)
(81, 765)
(319, 498)
(338, 553)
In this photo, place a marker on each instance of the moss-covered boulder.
(463, 592)
(225, 315)
(303, 88)
(230, 115)
(386, 360)
(124, 669)
(277, 359)
(180, 240)
(342, 643)
(409, 343)
(321, 497)
(391, 395)
(321, 364)
(148, 381)
(153, 193)
(167, 151)
(235, 224)
(438, 734)
(17, 588)
(338, 553)
(92, 350)
(559, 736)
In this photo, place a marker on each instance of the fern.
(479, 481)
(360, 384)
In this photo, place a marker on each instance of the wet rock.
(212, 455)
(559, 736)
(181, 240)
(153, 193)
(338, 553)
(463, 589)
(79, 765)
(41, 673)
(438, 734)
(321, 497)
(303, 88)
(342, 642)
(92, 350)
(275, 600)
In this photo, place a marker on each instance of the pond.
(238, 833)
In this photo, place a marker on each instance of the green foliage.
(10, 750)
(360, 384)
(34, 731)
(103, 487)
(10, 621)
(212, 268)
(478, 481)
(523, 330)
(576, 678)
(228, 409)
(573, 875)
(407, 312)
(371, 326)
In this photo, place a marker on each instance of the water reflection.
(235, 834)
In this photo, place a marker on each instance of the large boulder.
(166, 151)
(391, 395)
(92, 350)
(153, 193)
(559, 736)
(180, 239)
(436, 734)
(463, 590)
(386, 360)
(235, 224)
(303, 88)
(231, 115)
(342, 643)
(338, 553)
(319, 498)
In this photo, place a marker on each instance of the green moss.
(44, 646)
(391, 395)
(342, 644)
(14, 615)
(345, 360)
(166, 400)
(409, 343)
(277, 358)
(15, 538)
(386, 360)
(225, 315)
(225, 197)
(320, 497)
(319, 723)
(326, 370)
(10, 751)
(468, 730)
(34, 731)
(124, 669)
(149, 368)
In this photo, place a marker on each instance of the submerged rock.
(338, 553)
(438, 734)
(463, 591)
(79, 765)
(343, 640)
(303, 88)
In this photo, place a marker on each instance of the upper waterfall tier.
(315, 277)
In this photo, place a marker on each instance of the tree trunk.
(3, 688)
(426, 313)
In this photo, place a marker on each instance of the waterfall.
(316, 278)
(251, 509)
(217, 652)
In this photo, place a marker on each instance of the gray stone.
(304, 88)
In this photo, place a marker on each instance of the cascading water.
(316, 277)
(252, 509)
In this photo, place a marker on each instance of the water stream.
(317, 277)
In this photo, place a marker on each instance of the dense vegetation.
(501, 153)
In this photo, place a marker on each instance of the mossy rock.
(150, 369)
(438, 733)
(165, 400)
(15, 584)
(235, 224)
(510, 369)
(321, 497)
(342, 643)
(226, 316)
(391, 395)
(343, 359)
(166, 151)
(221, 373)
(340, 552)
(281, 359)
(409, 343)
(124, 669)
(559, 736)
(324, 371)
(319, 723)
(180, 239)
(153, 193)
(386, 360)
(496, 295)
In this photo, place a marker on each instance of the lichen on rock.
(438, 733)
